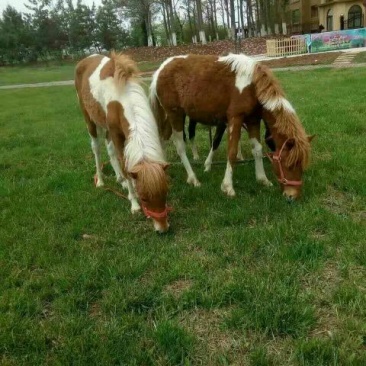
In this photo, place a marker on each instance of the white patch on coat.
(227, 183)
(153, 86)
(208, 161)
(144, 142)
(276, 104)
(243, 66)
(181, 150)
(257, 152)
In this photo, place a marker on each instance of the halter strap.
(277, 158)
(156, 215)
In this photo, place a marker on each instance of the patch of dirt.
(250, 46)
(344, 203)
(322, 287)
(177, 288)
(95, 310)
(312, 59)
(214, 341)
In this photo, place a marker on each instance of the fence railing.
(285, 47)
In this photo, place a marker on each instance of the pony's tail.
(164, 127)
(124, 68)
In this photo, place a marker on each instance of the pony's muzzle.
(291, 193)
(162, 226)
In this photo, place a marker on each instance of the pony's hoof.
(99, 183)
(239, 157)
(194, 181)
(228, 190)
(196, 157)
(207, 168)
(265, 182)
(135, 209)
(124, 184)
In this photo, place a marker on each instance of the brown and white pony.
(115, 106)
(235, 89)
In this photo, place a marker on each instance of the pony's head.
(289, 162)
(151, 184)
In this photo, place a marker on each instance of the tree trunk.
(232, 14)
(200, 22)
(173, 34)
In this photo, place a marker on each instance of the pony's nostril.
(290, 199)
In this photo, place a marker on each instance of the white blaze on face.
(243, 66)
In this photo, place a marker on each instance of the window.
(330, 20)
(355, 17)
(314, 11)
(295, 16)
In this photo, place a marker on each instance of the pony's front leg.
(257, 151)
(120, 177)
(234, 137)
(118, 141)
(181, 150)
(132, 196)
(95, 135)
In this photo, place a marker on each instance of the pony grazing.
(115, 106)
(235, 89)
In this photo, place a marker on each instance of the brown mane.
(287, 123)
(124, 67)
(152, 178)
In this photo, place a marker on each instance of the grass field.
(39, 74)
(244, 281)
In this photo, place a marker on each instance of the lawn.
(244, 281)
(39, 73)
(360, 58)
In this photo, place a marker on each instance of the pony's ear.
(311, 138)
(165, 166)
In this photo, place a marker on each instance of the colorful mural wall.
(336, 40)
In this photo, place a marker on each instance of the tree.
(14, 37)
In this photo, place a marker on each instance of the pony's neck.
(271, 120)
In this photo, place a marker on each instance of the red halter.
(277, 158)
(156, 215)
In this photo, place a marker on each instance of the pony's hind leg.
(220, 129)
(233, 137)
(95, 132)
(192, 134)
(257, 151)
(115, 163)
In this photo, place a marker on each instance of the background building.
(312, 16)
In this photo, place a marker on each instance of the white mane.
(243, 66)
(144, 142)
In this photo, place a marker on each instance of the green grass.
(39, 73)
(250, 280)
(360, 58)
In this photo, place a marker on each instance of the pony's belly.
(210, 118)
